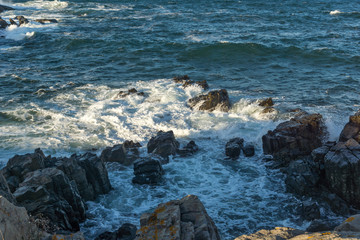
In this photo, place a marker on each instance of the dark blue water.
(58, 84)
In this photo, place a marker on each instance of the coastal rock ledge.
(184, 219)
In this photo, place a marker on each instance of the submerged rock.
(22, 20)
(183, 219)
(44, 20)
(188, 150)
(126, 232)
(214, 100)
(131, 91)
(294, 138)
(3, 24)
(249, 150)
(233, 147)
(147, 171)
(163, 144)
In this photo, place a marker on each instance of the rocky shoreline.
(44, 197)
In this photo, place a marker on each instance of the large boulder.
(278, 233)
(351, 129)
(163, 144)
(214, 100)
(183, 219)
(352, 224)
(147, 171)
(125, 153)
(294, 138)
(342, 171)
(50, 193)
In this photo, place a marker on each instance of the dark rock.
(268, 102)
(5, 191)
(321, 225)
(125, 153)
(3, 23)
(163, 144)
(310, 210)
(342, 171)
(302, 178)
(147, 171)
(12, 22)
(233, 147)
(126, 232)
(178, 219)
(337, 205)
(131, 91)
(22, 20)
(43, 21)
(351, 129)
(49, 192)
(214, 100)
(19, 165)
(5, 8)
(188, 150)
(181, 79)
(203, 84)
(294, 138)
(249, 150)
(268, 110)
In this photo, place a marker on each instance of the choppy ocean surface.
(59, 81)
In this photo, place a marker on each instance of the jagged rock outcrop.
(49, 192)
(188, 150)
(126, 232)
(214, 100)
(147, 171)
(351, 129)
(5, 191)
(184, 219)
(294, 138)
(163, 144)
(125, 153)
(56, 187)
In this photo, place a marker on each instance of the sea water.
(59, 85)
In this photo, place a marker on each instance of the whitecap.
(335, 12)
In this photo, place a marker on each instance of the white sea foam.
(41, 4)
(335, 12)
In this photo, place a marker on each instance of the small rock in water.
(163, 144)
(214, 100)
(12, 22)
(233, 147)
(147, 171)
(43, 21)
(22, 20)
(249, 150)
(181, 79)
(188, 150)
(123, 94)
(3, 23)
(266, 102)
(186, 82)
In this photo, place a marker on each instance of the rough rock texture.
(131, 91)
(342, 171)
(22, 20)
(310, 210)
(279, 233)
(249, 150)
(184, 219)
(351, 129)
(188, 150)
(268, 102)
(147, 171)
(5, 191)
(5, 8)
(214, 100)
(352, 224)
(125, 153)
(163, 144)
(49, 192)
(233, 147)
(15, 222)
(3, 23)
(294, 138)
(126, 232)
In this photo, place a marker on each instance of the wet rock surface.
(125, 153)
(188, 150)
(147, 171)
(233, 147)
(183, 219)
(214, 100)
(294, 138)
(163, 144)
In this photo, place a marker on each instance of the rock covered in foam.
(183, 219)
(214, 100)
(295, 138)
